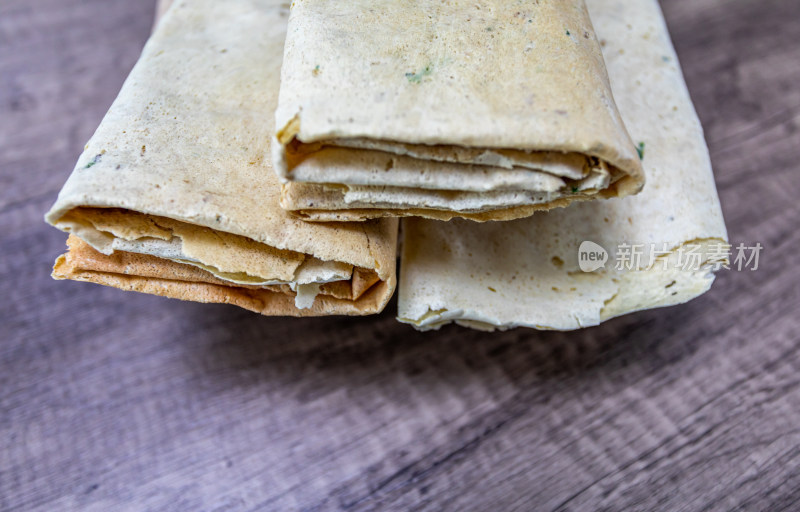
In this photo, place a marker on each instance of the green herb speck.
(640, 150)
(574, 190)
(416, 78)
(94, 161)
(568, 32)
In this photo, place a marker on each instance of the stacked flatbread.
(174, 194)
(486, 110)
(527, 272)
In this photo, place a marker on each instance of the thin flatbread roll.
(178, 177)
(486, 110)
(528, 273)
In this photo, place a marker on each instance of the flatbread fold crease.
(174, 194)
(485, 110)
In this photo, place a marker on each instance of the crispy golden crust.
(156, 276)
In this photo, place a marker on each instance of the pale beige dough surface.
(482, 110)
(179, 169)
(526, 272)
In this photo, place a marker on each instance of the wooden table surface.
(118, 401)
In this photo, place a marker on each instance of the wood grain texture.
(118, 401)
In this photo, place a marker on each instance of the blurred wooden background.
(117, 401)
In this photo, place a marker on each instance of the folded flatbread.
(528, 273)
(174, 194)
(487, 110)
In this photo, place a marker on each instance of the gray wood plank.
(118, 401)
